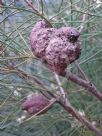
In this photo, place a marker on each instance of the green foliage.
(16, 22)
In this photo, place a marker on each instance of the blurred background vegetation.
(16, 22)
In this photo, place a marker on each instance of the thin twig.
(83, 21)
(36, 11)
(76, 63)
(60, 85)
(42, 7)
(62, 91)
(81, 71)
(87, 13)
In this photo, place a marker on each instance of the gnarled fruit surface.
(57, 47)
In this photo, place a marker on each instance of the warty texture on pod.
(57, 47)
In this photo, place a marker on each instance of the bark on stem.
(67, 106)
(88, 86)
(81, 118)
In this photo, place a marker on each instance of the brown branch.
(65, 103)
(81, 118)
(88, 86)
(66, 106)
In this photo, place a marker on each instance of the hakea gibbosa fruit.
(57, 47)
(36, 104)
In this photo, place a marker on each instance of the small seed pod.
(35, 104)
